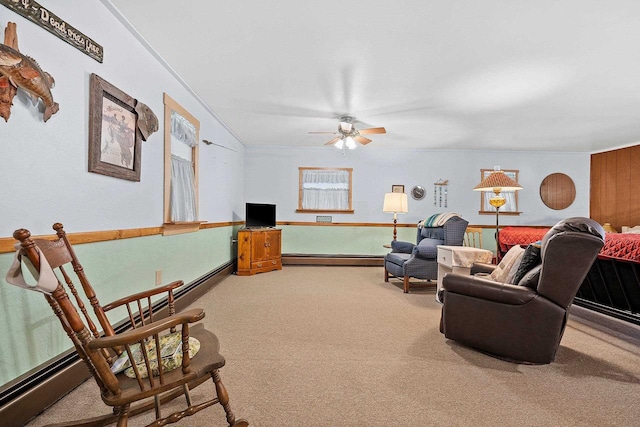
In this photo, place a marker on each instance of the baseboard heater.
(31, 393)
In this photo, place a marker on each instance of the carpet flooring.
(337, 346)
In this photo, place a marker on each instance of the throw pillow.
(510, 259)
(530, 259)
(428, 248)
(530, 280)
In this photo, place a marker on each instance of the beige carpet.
(336, 346)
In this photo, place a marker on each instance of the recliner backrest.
(568, 251)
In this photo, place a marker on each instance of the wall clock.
(418, 192)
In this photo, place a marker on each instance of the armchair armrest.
(481, 267)
(144, 294)
(486, 289)
(136, 335)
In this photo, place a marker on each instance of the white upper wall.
(44, 175)
(272, 177)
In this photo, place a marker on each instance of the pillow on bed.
(509, 262)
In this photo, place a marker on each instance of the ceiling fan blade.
(371, 131)
(362, 140)
(333, 141)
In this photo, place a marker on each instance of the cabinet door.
(273, 244)
(259, 249)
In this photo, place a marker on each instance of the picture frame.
(115, 142)
(397, 188)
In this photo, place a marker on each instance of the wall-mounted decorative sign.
(46, 19)
(114, 136)
(441, 193)
(557, 191)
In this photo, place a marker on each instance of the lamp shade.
(396, 203)
(497, 180)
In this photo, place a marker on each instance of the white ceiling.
(559, 75)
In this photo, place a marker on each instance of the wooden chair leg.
(406, 284)
(386, 274)
(223, 398)
(123, 417)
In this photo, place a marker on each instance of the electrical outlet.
(158, 277)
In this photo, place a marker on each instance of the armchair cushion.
(403, 247)
(428, 248)
(170, 354)
(397, 258)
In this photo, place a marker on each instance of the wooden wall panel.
(615, 187)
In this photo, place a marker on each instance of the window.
(181, 133)
(510, 207)
(325, 190)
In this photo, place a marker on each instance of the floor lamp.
(396, 203)
(497, 182)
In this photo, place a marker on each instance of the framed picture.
(114, 137)
(397, 188)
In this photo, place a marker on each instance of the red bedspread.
(511, 236)
(620, 246)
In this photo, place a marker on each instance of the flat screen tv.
(260, 215)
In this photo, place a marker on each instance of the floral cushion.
(170, 354)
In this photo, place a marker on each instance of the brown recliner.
(523, 323)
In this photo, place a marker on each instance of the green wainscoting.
(352, 240)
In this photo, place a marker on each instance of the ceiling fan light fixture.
(350, 143)
(340, 143)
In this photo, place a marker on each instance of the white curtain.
(325, 189)
(510, 206)
(182, 129)
(183, 196)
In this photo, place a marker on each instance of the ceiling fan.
(347, 134)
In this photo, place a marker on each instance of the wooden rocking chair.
(129, 392)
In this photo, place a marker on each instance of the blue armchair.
(407, 260)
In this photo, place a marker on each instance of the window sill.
(173, 228)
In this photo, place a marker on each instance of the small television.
(260, 215)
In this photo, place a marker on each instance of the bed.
(612, 286)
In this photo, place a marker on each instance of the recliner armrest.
(486, 289)
(481, 267)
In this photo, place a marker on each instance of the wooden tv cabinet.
(259, 250)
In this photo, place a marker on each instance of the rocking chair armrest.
(136, 335)
(143, 294)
